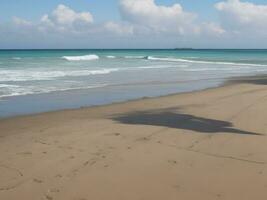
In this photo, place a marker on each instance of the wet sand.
(205, 145)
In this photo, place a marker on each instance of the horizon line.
(31, 49)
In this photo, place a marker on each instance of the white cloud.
(143, 24)
(212, 28)
(64, 15)
(155, 17)
(238, 16)
(146, 18)
(119, 29)
(21, 22)
(64, 18)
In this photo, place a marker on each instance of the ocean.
(33, 81)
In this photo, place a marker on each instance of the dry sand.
(203, 145)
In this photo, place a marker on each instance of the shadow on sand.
(180, 121)
(258, 80)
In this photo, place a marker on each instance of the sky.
(30, 24)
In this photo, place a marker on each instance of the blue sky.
(133, 23)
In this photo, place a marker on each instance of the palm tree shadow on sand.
(180, 121)
(258, 80)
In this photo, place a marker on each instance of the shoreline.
(226, 82)
(114, 103)
(89, 103)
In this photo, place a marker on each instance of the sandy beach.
(202, 145)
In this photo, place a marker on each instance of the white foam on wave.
(135, 57)
(23, 75)
(16, 58)
(91, 72)
(163, 66)
(203, 62)
(111, 56)
(207, 69)
(193, 57)
(23, 90)
(8, 86)
(81, 58)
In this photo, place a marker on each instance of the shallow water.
(60, 79)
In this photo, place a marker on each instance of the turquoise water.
(122, 74)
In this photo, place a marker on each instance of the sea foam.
(135, 57)
(162, 66)
(202, 62)
(21, 75)
(16, 58)
(81, 58)
(20, 91)
(111, 56)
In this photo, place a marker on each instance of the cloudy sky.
(133, 23)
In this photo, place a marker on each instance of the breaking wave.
(20, 91)
(81, 58)
(21, 75)
(135, 57)
(111, 56)
(203, 62)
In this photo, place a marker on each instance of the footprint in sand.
(89, 162)
(25, 153)
(58, 176)
(219, 196)
(145, 139)
(86, 163)
(113, 134)
(54, 190)
(177, 187)
(48, 197)
(37, 180)
(41, 142)
(173, 162)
